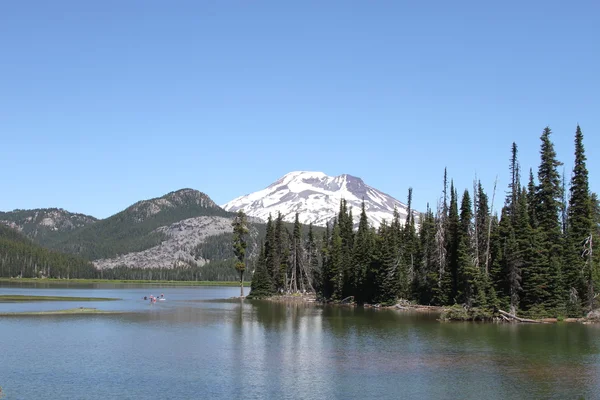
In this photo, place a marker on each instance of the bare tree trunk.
(475, 199)
(241, 283)
(489, 233)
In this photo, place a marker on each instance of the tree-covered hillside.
(19, 257)
(133, 229)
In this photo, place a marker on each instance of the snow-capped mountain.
(316, 197)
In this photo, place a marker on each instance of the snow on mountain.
(316, 197)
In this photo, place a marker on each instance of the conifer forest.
(538, 257)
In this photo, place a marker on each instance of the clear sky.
(104, 103)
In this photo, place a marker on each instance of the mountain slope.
(20, 257)
(136, 228)
(316, 197)
(44, 225)
(177, 248)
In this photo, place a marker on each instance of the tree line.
(19, 257)
(536, 258)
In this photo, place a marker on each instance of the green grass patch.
(18, 298)
(123, 282)
(71, 311)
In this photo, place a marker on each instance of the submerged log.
(514, 317)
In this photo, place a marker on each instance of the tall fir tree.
(336, 266)
(450, 280)
(467, 273)
(578, 276)
(298, 275)
(409, 250)
(313, 262)
(482, 221)
(362, 257)
(261, 286)
(240, 243)
(426, 274)
(281, 254)
(548, 200)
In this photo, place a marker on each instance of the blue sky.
(106, 103)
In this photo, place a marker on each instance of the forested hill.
(135, 228)
(536, 258)
(44, 225)
(20, 257)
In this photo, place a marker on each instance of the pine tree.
(515, 184)
(409, 250)
(578, 275)
(450, 279)
(467, 273)
(362, 255)
(298, 276)
(426, 273)
(388, 266)
(346, 224)
(240, 242)
(482, 222)
(532, 201)
(325, 284)
(261, 285)
(548, 196)
(314, 266)
(336, 266)
(281, 254)
(271, 257)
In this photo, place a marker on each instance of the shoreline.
(123, 282)
(446, 312)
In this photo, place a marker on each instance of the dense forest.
(537, 258)
(21, 257)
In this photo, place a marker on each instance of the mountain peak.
(179, 199)
(316, 197)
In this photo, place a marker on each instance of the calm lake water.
(200, 344)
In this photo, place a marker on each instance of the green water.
(199, 343)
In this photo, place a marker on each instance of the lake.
(201, 344)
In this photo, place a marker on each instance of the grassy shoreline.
(20, 298)
(123, 282)
(71, 311)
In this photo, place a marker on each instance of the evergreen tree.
(388, 266)
(298, 276)
(578, 275)
(261, 285)
(467, 273)
(409, 250)
(346, 223)
(313, 261)
(482, 223)
(271, 256)
(240, 242)
(281, 254)
(450, 279)
(548, 199)
(515, 184)
(426, 273)
(363, 247)
(532, 201)
(336, 266)
(326, 286)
